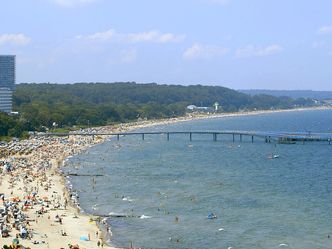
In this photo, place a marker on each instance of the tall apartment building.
(7, 82)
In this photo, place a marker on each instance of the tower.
(216, 106)
(7, 82)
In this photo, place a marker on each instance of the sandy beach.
(35, 206)
(36, 209)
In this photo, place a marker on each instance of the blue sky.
(241, 44)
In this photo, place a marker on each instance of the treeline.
(12, 126)
(45, 105)
(295, 94)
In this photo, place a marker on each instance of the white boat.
(273, 156)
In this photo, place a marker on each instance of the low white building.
(194, 108)
(191, 107)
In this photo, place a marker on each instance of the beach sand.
(46, 214)
(36, 187)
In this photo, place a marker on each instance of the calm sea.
(170, 187)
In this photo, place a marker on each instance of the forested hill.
(138, 94)
(43, 105)
(320, 95)
(102, 103)
(129, 92)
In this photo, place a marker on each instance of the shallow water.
(260, 203)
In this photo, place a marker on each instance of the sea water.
(168, 188)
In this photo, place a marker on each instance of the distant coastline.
(199, 116)
(43, 107)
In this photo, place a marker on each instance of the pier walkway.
(268, 137)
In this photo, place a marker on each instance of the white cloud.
(204, 51)
(100, 36)
(152, 36)
(324, 30)
(14, 39)
(252, 51)
(71, 3)
(149, 36)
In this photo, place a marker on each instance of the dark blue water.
(259, 202)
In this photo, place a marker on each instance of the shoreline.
(43, 164)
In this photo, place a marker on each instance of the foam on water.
(145, 217)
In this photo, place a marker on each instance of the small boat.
(273, 156)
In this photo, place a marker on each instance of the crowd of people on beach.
(27, 192)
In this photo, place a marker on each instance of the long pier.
(268, 137)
